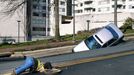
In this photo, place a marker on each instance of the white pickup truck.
(107, 36)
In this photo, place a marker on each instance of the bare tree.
(13, 5)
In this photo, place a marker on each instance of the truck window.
(92, 43)
(98, 38)
(109, 42)
(113, 32)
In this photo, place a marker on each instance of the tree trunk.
(57, 33)
(28, 20)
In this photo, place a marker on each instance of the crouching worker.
(34, 65)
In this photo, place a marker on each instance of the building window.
(99, 10)
(38, 21)
(131, 7)
(104, 2)
(44, 7)
(131, 0)
(40, 29)
(63, 9)
(44, 14)
(103, 9)
(124, 7)
(120, 6)
(48, 29)
(35, 0)
(78, 11)
(43, 0)
(88, 2)
(62, 3)
(34, 6)
(35, 14)
(81, 4)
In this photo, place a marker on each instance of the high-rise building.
(37, 19)
(40, 13)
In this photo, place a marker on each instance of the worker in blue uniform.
(34, 65)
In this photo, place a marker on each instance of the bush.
(127, 24)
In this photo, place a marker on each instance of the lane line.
(93, 59)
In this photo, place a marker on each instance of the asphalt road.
(116, 66)
(6, 66)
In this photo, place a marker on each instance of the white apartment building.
(102, 6)
(101, 12)
(98, 12)
(65, 8)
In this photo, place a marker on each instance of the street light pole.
(18, 31)
(88, 21)
(73, 20)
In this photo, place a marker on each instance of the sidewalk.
(39, 53)
(45, 52)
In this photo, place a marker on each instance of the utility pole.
(73, 4)
(115, 12)
(56, 9)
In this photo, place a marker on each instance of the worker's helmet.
(48, 65)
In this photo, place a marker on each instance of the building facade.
(37, 17)
(65, 8)
(34, 21)
(101, 12)
(12, 27)
(102, 6)
(42, 17)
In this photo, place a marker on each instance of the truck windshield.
(113, 32)
(92, 43)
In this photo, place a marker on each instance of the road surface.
(116, 66)
(6, 66)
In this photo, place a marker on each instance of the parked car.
(107, 36)
(9, 41)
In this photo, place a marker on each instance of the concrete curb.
(5, 54)
(11, 58)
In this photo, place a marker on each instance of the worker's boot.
(13, 73)
(52, 71)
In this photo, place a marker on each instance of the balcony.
(88, 2)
